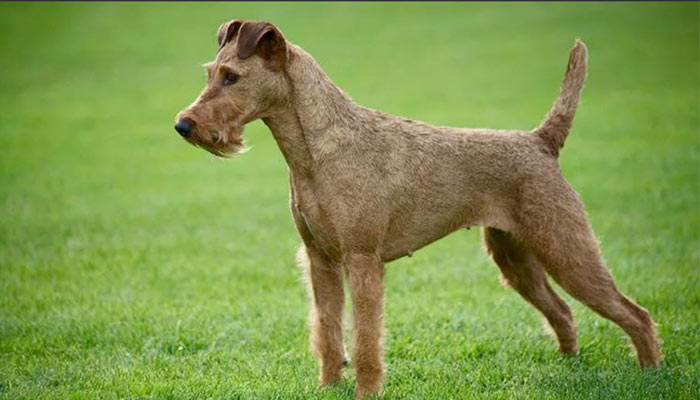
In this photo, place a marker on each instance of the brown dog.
(368, 188)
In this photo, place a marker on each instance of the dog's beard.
(221, 143)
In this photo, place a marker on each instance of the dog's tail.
(557, 124)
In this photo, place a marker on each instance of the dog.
(368, 188)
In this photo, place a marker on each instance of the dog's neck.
(316, 106)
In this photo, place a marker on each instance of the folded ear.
(227, 31)
(263, 39)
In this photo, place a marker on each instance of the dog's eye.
(229, 78)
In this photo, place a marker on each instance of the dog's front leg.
(327, 304)
(365, 272)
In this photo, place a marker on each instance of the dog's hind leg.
(554, 224)
(522, 271)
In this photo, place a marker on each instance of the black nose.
(183, 127)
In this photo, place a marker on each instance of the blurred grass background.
(133, 265)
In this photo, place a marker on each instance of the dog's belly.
(408, 234)
(402, 247)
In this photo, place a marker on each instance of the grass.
(135, 266)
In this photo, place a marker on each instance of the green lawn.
(133, 265)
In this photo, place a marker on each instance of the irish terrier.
(368, 188)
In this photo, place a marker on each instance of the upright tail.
(557, 124)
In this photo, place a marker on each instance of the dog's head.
(245, 82)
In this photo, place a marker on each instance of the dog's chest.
(314, 218)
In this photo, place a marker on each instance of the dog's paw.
(367, 393)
